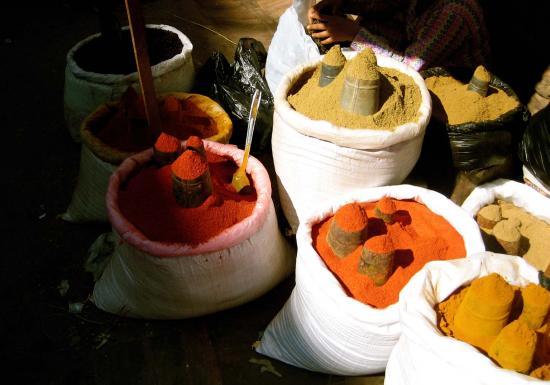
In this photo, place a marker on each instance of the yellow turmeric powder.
(514, 347)
(536, 303)
(484, 311)
(542, 372)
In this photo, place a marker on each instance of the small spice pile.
(412, 234)
(399, 98)
(126, 128)
(512, 230)
(508, 323)
(455, 104)
(147, 200)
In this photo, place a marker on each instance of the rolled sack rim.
(158, 69)
(436, 202)
(419, 317)
(228, 238)
(358, 138)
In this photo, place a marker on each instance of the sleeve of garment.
(358, 7)
(435, 39)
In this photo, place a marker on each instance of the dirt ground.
(42, 341)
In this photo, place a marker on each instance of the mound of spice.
(399, 97)
(166, 149)
(505, 322)
(416, 235)
(454, 103)
(148, 202)
(126, 128)
(515, 232)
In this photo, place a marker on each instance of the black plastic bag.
(534, 148)
(484, 144)
(232, 86)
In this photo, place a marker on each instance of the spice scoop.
(479, 82)
(240, 180)
(360, 94)
(333, 62)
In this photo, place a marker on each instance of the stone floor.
(42, 342)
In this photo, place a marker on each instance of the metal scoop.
(240, 180)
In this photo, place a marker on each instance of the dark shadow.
(403, 217)
(376, 227)
(403, 257)
(386, 90)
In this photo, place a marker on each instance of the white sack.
(521, 195)
(321, 328)
(423, 354)
(88, 200)
(290, 45)
(315, 160)
(156, 280)
(84, 91)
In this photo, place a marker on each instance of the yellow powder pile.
(399, 98)
(334, 57)
(472, 313)
(362, 70)
(368, 55)
(489, 216)
(482, 74)
(534, 241)
(459, 105)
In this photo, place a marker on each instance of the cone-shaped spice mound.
(195, 143)
(348, 229)
(167, 148)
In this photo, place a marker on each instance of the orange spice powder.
(418, 236)
(167, 143)
(379, 244)
(189, 165)
(386, 205)
(351, 217)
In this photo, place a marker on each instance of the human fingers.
(320, 35)
(328, 40)
(317, 27)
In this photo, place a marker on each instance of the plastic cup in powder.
(377, 259)
(167, 148)
(361, 91)
(332, 64)
(348, 229)
(191, 181)
(479, 82)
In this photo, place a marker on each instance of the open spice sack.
(341, 317)
(185, 243)
(489, 313)
(115, 131)
(514, 219)
(476, 125)
(98, 71)
(322, 147)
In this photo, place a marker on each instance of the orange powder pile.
(380, 244)
(418, 236)
(194, 142)
(148, 203)
(351, 217)
(167, 143)
(386, 205)
(189, 165)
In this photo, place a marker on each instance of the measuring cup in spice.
(332, 64)
(489, 216)
(514, 347)
(195, 143)
(348, 229)
(377, 259)
(361, 91)
(479, 82)
(508, 236)
(536, 303)
(484, 311)
(385, 208)
(166, 149)
(191, 182)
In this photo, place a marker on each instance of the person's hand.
(323, 7)
(334, 29)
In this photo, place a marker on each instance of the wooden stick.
(137, 30)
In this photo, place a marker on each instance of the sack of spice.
(316, 159)
(423, 355)
(534, 151)
(117, 130)
(523, 204)
(321, 327)
(155, 276)
(483, 131)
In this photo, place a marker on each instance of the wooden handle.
(137, 30)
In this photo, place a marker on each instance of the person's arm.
(436, 39)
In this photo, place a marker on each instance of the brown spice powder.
(462, 106)
(399, 101)
(334, 57)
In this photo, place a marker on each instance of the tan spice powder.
(399, 100)
(460, 106)
(334, 57)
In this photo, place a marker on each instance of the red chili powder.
(351, 217)
(386, 205)
(195, 142)
(379, 244)
(167, 143)
(171, 104)
(418, 236)
(189, 165)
